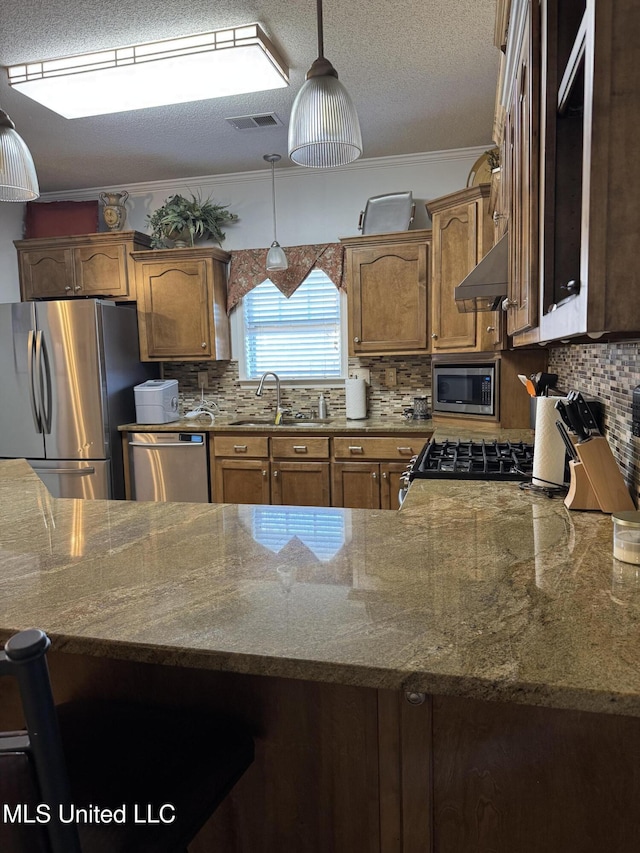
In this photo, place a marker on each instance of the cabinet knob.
(275, 473)
(356, 340)
(383, 475)
(374, 475)
(509, 303)
(77, 287)
(264, 473)
(203, 344)
(491, 328)
(434, 335)
(68, 288)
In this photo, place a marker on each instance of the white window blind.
(297, 338)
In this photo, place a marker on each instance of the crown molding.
(206, 182)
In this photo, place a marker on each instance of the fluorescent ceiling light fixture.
(174, 71)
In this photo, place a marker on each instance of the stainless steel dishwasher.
(169, 466)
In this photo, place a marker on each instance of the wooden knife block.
(580, 494)
(604, 481)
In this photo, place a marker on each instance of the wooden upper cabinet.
(83, 265)
(387, 292)
(522, 130)
(572, 98)
(462, 234)
(182, 304)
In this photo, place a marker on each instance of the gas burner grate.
(482, 460)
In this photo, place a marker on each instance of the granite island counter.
(316, 622)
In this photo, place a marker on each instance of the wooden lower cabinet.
(300, 483)
(241, 481)
(240, 469)
(361, 472)
(356, 485)
(348, 769)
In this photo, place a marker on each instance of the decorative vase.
(180, 238)
(114, 212)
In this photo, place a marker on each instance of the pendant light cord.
(320, 30)
(273, 198)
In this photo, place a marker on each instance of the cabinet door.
(177, 313)
(390, 474)
(241, 481)
(388, 298)
(523, 226)
(300, 483)
(356, 485)
(46, 273)
(101, 270)
(455, 255)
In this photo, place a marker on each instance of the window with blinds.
(297, 338)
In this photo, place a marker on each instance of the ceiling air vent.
(257, 122)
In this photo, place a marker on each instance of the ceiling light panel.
(174, 71)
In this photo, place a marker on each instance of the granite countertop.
(477, 589)
(337, 425)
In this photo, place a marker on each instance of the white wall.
(313, 206)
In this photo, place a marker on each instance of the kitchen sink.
(286, 422)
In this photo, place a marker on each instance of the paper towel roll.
(355, 391)
(548, 449)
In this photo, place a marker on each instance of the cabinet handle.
(404, 449)
(356, 340)
(509, 303)
(434, 336)
(491, 328)
(68, 288)
(77, 287)
(239, 448)
(355, 449)
(203, 344)
(300, 448)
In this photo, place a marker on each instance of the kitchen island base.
(345, 769)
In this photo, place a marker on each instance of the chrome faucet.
(278, 416)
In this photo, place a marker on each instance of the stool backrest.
(32, 763)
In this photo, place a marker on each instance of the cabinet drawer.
(366, 447)
(241, 445)
(298, 446)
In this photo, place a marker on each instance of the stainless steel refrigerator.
(67, 372)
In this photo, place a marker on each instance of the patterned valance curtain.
(249, 269)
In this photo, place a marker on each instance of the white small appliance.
(157, 401)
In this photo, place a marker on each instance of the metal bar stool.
(108, 777)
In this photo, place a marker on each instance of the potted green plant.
(182, 221)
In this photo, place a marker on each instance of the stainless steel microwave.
(467, 389)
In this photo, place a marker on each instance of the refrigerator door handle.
(42, 361)
(32, 381)
(77, 472)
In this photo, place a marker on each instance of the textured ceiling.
(422, 75)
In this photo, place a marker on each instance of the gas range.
(472, 460)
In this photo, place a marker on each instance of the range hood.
(486, 285)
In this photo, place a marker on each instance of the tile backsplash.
(606, 371)
(609, 372)
(413, 378)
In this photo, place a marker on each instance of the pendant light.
(323, 130)
(18, 179)
(276, 258)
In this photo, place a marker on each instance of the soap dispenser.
(322, 407)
